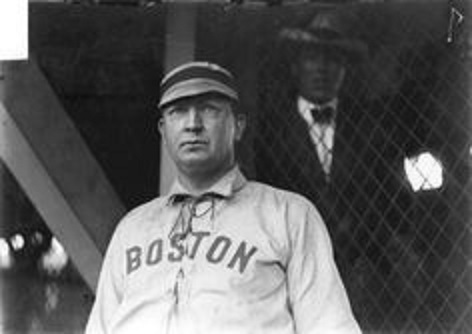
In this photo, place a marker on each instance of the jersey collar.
(226, 187)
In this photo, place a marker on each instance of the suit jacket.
(361, 202)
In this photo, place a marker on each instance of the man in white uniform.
(219, 253)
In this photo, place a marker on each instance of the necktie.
(322, 132)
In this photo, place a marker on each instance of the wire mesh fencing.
(397, 195)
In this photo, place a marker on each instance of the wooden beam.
(20, 158)
(49, 158)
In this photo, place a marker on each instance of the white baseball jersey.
(257, 261)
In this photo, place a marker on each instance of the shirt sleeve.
(318, 298)
(109, 290)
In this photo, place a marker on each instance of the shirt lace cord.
(189, 210)
(183, 227)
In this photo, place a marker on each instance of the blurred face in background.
(320, 72)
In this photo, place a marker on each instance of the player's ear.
(240, 125)
(160, 126)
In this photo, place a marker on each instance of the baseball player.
(218, 253)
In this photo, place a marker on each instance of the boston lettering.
(221, 250)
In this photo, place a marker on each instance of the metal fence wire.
(397, 199)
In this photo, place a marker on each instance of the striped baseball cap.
(196, 78)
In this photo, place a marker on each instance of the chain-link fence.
(397, 194)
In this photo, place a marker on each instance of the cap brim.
(195, 87)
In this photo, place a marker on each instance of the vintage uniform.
(242, 258)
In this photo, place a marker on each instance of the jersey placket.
(196, 214)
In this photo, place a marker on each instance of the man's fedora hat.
(329, 28)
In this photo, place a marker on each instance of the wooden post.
(180, 48)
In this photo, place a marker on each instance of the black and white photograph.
(236, 167)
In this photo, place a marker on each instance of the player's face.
(320, 73)
(200, 133)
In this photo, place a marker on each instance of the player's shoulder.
(284, 207)
(278, 196)
(144, 212)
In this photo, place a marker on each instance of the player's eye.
(175, 110)
(209, 109)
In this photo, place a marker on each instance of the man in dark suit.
(333, 147)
